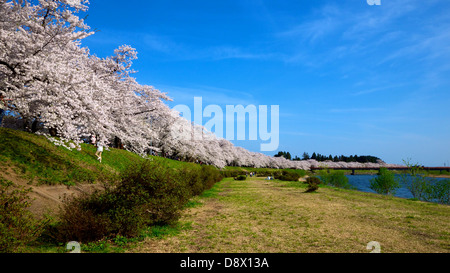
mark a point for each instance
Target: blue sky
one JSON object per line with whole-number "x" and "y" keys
{"x": 349, "y": 78}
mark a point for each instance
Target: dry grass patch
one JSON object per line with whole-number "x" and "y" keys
{"x": 257, "y": 216}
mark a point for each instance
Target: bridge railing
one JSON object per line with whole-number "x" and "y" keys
{"x": 398, "y": 168}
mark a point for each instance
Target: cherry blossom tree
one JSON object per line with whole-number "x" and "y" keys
{"x": 56, "y": 83}
{"x": 36, "y": 43}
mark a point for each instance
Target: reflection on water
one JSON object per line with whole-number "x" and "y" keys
{"x": 362, "y": 183}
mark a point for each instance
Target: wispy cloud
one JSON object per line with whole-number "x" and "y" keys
{"x": 378, "y": 89}
{"x": 161, "y": 44}
{"x": 326, "y": 22}
{"x": 356, "y": 110}
{"x": 184, "y": 51}
{"x": 341, "y": 31}
{"x": 364, "y": 25}
{"x": 425, "y": 47}
{"x": 230, "y": 52}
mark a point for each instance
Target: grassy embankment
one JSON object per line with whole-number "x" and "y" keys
{"x": 254, "y": 215}
{"x": 37, "y": 161}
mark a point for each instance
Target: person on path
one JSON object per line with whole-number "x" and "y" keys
{"x": 93, "y": 139}
{"x": 99, "y": 152}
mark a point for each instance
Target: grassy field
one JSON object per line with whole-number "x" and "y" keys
{"x": 260, "y": 216}
{"x": 255, "y": 215}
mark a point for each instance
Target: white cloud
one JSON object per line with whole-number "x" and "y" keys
{"x": 328, "y": 21}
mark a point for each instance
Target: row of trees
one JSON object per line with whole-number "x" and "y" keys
{"x": 56, "y": 86}
{"x": 321, "y": 158}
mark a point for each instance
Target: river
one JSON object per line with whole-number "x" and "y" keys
{"x": 362, "y": 183}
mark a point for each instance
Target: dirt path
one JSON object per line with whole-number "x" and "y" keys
{"x": 257, "y": 216}
{"x": 45, "y": 199}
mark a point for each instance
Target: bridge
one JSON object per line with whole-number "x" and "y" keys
{"x": 397, "y": 168}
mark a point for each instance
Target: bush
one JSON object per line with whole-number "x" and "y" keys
{"x": 241, "y": 177}
{"x": 265, "y": 172}
{"x": 17, "y": 225}
{"x": 441, "y": 192}
{"x": 385, "y": 182}
{"x": 149, "y": 194}
{"x": 232, "y": 173}
{"x": 287, "y": 175}
{"x": 313, "y": 183}
{"x": 430, "y": 189}
{"x": 82, "y": 219}
{"x": 417, "y": 184}
{"x": 193, "y": 179}
{"x": 210, "y": 176}
{"x": 335, "y": 179}
{"x": 425, "y": 188}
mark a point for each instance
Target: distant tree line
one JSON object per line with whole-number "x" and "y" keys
{"x": 319, "y": 157}
{"x": 286, "y": 155}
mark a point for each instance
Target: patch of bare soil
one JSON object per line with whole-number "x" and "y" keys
{"x": 46, "y": 199}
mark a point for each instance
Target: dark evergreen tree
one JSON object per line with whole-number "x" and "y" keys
{"x": 288, "y": 156}
{"x": 306, "y": 156}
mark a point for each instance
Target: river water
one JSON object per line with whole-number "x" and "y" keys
{"x": 362, "y": 183}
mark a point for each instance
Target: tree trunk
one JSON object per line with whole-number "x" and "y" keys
{"x": 34, "y": 126}
{"x": 25, "y": 124}
{"x": 53, "y": 131}
{"x": 118, "y": 143}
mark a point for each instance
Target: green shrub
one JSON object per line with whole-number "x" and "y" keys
{"x": 17, "y": 225}
{"x": 149, "y": 194}
{"x": 431, "y": 189}
{"x": 287, "y": 175}
{"x": 385, "y": 182}
{"x": 82, "y": 219}
{"x": 157, "y": 189}
{"x": 417, "y": 184}
{"x": 425, "y": 188}
{"x": 440, "y": 192}
{"x": 334, "y": 178}
{"x": 266, "y": 172}
{"x": 232, "y": 173}
{"x": 240, "y": 177}
{"x": 313, "y": 183}
{"x": 210, "y": 176}
{"x": 193, "y": 179}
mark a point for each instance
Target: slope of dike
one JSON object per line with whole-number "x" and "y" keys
{"x": 53, "y": 171}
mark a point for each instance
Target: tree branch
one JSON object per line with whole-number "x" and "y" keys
{"x": 10, "y": 67}
{"x": 142, "y": 112}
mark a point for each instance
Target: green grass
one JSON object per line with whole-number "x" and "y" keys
{"x": 261, "y": 172}
{"x": 121, "y": 244}
{"x": 432, "y": 172}
{"x": 255, "y": 215}
{"x": 262, "y": 216}
{"x": 37, "y": 160}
